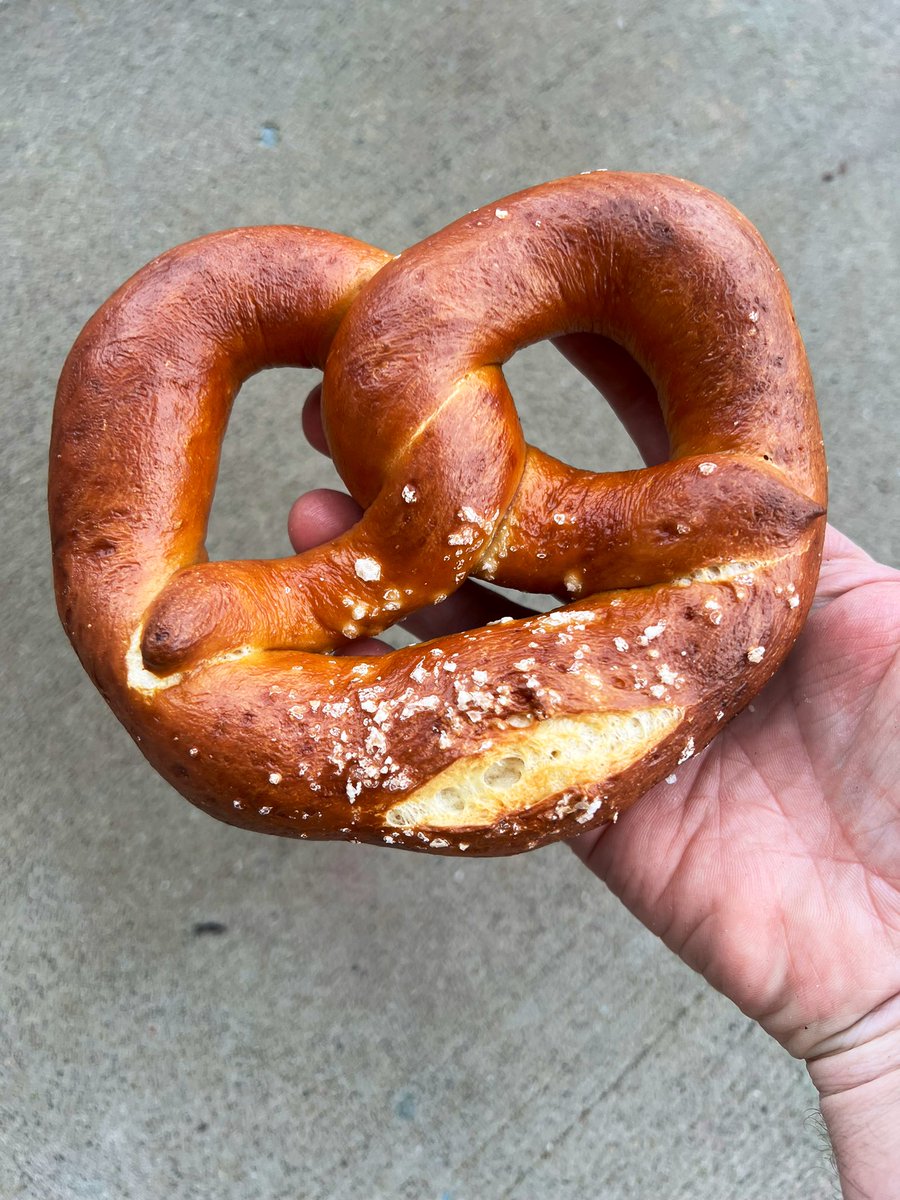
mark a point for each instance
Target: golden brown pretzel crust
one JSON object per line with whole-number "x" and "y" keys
{"x": 691, "y": 580}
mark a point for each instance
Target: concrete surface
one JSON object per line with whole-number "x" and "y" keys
{"x": 364, "y": 1023}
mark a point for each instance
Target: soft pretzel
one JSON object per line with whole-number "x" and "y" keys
{"x": 689, "y": 580}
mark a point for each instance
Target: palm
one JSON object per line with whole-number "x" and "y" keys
{"x": 772, "y": 865}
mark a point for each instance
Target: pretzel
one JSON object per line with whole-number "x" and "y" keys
{"x": 688, "y": 582}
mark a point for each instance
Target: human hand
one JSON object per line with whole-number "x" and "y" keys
{"x": 772, "y": 864}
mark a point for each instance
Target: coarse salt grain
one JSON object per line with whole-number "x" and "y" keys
{"x": 368, "y": 569}
{"x": 687, "y": 752}
{"x": 653, "y": 631}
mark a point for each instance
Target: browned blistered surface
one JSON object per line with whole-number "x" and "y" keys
{"x": 689, "y": 581}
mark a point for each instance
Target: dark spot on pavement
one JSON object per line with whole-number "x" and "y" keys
{"x": 202, "y": 928}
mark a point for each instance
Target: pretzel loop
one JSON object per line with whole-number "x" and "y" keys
{"x": 691, "y": 579}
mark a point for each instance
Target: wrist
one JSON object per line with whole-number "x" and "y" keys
{"x": 859, "y": 1055}
{"x": 857, "y": 1074}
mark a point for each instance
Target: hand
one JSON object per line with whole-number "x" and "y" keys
{"x": 772, "y": 864}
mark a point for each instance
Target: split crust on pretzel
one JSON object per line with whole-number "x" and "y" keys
{"x": 690, "y": 581}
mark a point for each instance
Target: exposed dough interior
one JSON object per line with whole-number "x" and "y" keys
{"x": 525, "y": 766}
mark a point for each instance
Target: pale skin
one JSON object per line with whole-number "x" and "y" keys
{"x": 772, "y": 864}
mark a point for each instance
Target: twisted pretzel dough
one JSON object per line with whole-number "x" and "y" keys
{"x": 690, "y": 580}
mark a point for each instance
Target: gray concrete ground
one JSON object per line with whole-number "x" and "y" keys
{"x": 374, "y": 1024}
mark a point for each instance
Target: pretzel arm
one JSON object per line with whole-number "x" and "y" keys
{"x": 391, "y": 563}
{"x": 575, "y": 532}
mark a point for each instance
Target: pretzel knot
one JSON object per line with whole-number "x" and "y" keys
{"x": 689, "y": 581}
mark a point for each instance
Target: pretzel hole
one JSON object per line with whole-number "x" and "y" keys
{"x": 248, "y": 522}
{"x": 545, "y": 385}
{"x": 252, "y": 498}
{"x": 591, "y": 436}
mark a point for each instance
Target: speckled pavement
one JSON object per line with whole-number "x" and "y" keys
{"x": 187, "y": 1011}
